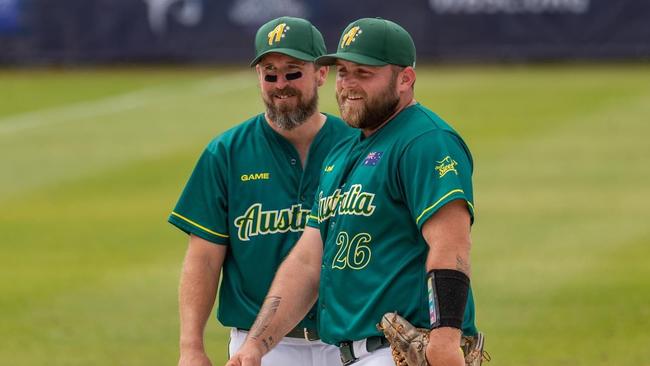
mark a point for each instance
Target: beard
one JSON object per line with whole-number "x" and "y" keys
{"x": 373, "y": 111}
{"x": 289, "y": 117}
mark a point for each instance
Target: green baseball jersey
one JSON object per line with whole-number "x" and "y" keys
{"x": 250, "y": 192}
{"x": 375, "y": 194}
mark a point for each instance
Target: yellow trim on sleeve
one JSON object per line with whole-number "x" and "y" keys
{"x": 438, "y": 202}
{"x": 314, "y": 217}
{"x": 199, "y": 226}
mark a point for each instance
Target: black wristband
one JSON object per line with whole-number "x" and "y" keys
{"x": 448, "y": 290}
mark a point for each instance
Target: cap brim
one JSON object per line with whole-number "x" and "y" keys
{"x": 285, "y": 51}
{"x": 330, "y": 59}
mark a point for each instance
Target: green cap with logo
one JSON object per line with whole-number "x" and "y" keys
{"x": 374, "y": 42}
{"x": 290, "y": 36}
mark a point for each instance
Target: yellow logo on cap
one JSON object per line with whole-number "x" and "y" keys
{"x": 350, "y": 36}
{"x": 278, "y": 33}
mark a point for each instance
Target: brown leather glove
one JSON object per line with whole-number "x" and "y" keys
{"x": 408, "y": 343}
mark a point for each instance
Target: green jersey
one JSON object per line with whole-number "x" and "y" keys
{"x": 375, "y": 194}
{"x": 250, "y": 192}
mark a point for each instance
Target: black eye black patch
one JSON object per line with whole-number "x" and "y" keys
{"x": 293, "y": 75}
{"x": 289, "y": 76}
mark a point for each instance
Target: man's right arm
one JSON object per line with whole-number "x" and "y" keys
{"x": 197, "y": 292}
{"x": 293, "y": 292}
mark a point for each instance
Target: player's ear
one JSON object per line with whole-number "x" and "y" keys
{"x": 258, "y": 70}
{"x": 406, "y": 78}
{"x": 321, "y": 74}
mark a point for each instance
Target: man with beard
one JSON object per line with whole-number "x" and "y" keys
{"x": 390, "y": 227}
{"x": 249, "y": 197}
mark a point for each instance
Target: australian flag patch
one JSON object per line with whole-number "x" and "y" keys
{"x": 373, "y": 158}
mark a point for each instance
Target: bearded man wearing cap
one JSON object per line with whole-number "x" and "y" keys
{"x": 249, "y": 197}
{"x": 389, "y": 230}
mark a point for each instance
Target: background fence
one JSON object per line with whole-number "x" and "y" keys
{"x": 202, "y": 31}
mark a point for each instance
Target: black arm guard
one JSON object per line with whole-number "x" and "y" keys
{"x": 448, "y": 291}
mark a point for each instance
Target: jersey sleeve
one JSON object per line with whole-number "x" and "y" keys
{"x": 436, "y": 168}
{"x": 202, "y": 209}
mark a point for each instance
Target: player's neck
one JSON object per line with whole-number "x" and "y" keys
{"x": 302, "y": 136}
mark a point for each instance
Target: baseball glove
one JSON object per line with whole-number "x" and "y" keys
{"x": 473, "y": 351}
{"x": 407, "y": 343}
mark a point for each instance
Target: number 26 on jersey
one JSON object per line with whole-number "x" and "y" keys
{"x": 352, "y": 253}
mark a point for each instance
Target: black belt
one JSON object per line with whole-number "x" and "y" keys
{"x": 372, "y": 344}
{"x": 304, "y": 333}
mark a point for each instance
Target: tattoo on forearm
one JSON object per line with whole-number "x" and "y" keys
{"x": 268, "y": 343}
{"x": 462, "y": 266}
{"x": 267, "y": 312}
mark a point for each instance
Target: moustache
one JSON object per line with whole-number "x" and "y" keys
{"x": 286, "y": 92}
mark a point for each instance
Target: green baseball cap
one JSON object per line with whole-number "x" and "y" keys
{"x": 293, "y": 37}
{"x": 374, "y": 42}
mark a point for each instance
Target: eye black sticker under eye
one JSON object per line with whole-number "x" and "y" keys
{"x": 293, "y": 75}
{"x": 270, "y": 78}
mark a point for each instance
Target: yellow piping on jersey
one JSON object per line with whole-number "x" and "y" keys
{"x": 440, "y": 200}
{"x": 471, "y": 206}
{"x": 199, "y": 226}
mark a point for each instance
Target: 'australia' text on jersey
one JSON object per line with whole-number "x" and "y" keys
{"x": 352, "y": 202}
{"x": 256, "y": 221}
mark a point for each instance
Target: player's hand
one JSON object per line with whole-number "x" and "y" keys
{"x": 443, "y": 347}
{"x": 248, "y": 355}
{"x": 194, "y": 358}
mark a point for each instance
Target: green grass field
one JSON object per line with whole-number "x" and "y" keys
{"x": 92, "y": 161}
